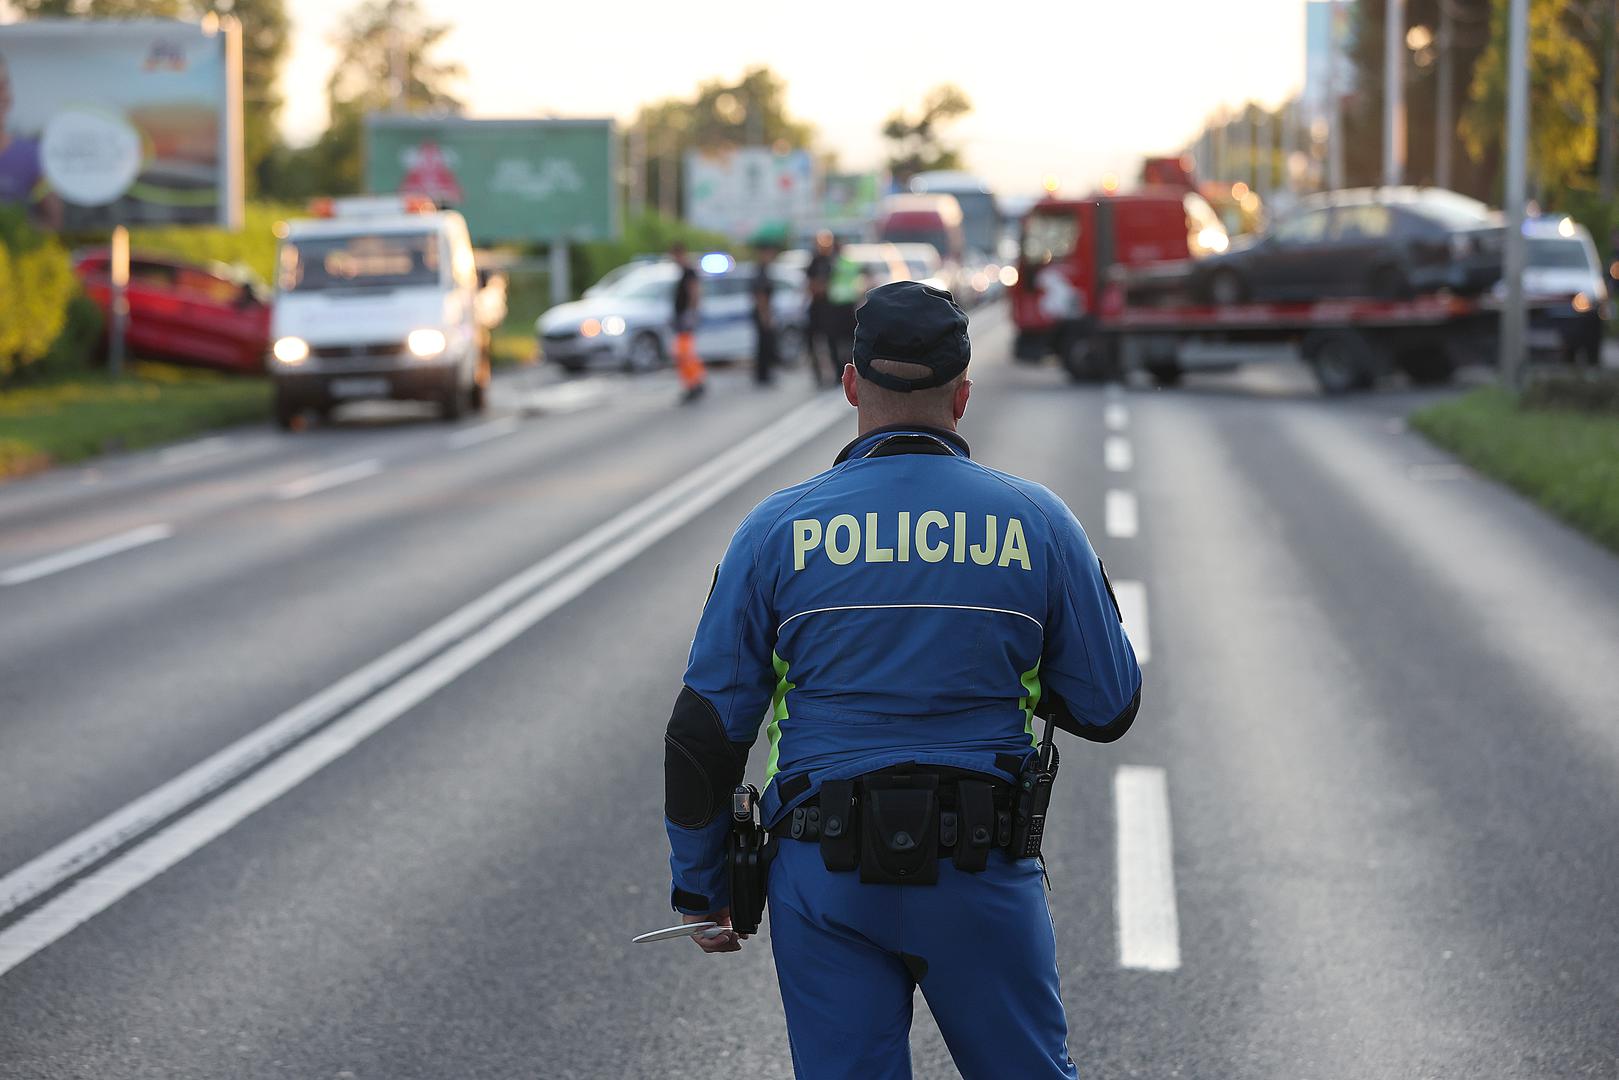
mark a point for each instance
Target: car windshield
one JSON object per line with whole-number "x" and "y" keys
{"x": 938, "y": 239}
{"x": 378, "y": 261}
{"x": 643, "y": 287}
{"x": 1557, "y": 253}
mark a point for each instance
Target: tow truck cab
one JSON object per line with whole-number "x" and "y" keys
{"x": 377, "y": 298}
{"x": 1068, "y": 246}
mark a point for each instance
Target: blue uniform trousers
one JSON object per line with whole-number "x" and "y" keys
{"x": 849, "y": 957}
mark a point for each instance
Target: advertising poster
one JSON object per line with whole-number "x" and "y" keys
{"x": 740, "y": 191}
{"x": 108, "y": 123}
{"x": 513, "y": 180}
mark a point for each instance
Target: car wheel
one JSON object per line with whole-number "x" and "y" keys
{"x": 453, "y": 405}
{"x": 1165, "y": 371}
{"x": 1342, "y": 361}
{"x": 646, "y": 353}
{"x": 478, "y": 397}
{"x": 1226, "y": 288}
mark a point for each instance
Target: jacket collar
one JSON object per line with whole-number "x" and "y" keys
{"x": 904, "y": 439}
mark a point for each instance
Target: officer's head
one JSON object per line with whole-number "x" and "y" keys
{"x": 910, "y": 358}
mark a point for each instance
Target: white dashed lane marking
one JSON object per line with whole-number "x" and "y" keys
{"x": 1149, "y": 925}
{"x": 85, "y": 553}
{"x": 1121, "y": 513}
{"x": 1116, "y": 453}
{"x": 1116, "y": 416}
{"x": 325, "y": 481}
{"x": 1132, "y": 598}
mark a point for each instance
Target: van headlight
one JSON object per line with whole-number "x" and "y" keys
{"x": 613, "y": 326}
{"x": 425, "y": 344}
{"x": 290, "y": 351}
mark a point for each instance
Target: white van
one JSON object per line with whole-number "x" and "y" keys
{"x": 377, "y": 298}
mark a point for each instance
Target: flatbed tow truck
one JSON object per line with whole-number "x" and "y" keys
{"x": 1347, "y": 343}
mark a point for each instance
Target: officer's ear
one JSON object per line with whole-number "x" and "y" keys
{"x": 959, "y": 403}
{"x": 851, "y": 385}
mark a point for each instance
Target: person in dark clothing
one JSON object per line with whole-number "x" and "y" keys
{"x": 824, "y": 341}
{"x": 688, "y": 294}
{"x": 764, "y": 318}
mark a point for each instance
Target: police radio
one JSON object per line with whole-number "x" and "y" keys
{"x": 1033, "y": 799}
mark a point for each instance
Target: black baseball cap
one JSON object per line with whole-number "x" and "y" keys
{"x": 912, "y": 323}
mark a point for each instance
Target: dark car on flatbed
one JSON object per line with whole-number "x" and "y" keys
{"x": 1382, "y": 243}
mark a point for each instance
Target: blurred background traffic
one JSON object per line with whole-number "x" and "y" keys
{"x": 220, "y": 155}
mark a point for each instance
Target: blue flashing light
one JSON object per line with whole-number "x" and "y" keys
{"x": 716, "y": 262}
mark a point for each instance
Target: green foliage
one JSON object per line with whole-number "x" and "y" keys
{"x": 749, "y": 112}
{"x": 71, "y": 419}
{"x": 253, "y": 247}
{"x": 644, "y": 234}
{"x": 1563, "y": 78}
{"x": 78, "y": 347}
{"x": 917, "y": 142}
{"x": 1567, "y": 461}
{"x": 1585, "y": 391}
{"x": 36, "y": 284}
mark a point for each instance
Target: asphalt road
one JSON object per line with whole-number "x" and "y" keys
{"x": 1381, "y": 701}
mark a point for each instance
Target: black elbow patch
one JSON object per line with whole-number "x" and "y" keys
{"x": 701, "y": 767}
{"x": 1108, "y": 732}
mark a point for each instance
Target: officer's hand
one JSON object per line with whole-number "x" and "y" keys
{"x": 730, "y": 941}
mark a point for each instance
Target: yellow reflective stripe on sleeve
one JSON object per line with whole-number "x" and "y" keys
{"x": 778, "y": 713}
{"x": 1030, "y": 700}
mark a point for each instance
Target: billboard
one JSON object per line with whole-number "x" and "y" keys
{"x": 122, "y": 123}
{"x": 513, "y": 180}
{"x": 740, "y": 191}
{"x": 850, "y": 199}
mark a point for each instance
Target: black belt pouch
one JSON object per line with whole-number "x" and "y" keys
{"x": 899, "y": 830}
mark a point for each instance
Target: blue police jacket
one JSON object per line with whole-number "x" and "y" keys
{"x": 906, "y": 605}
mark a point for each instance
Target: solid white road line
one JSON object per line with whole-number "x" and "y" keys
{"x": 437, "y": 655}
{"x": 1116, "y": 416}
{"x": 1116, "y": 453}
{"x": 1149, "y": 927}
{"x": 1121, "y": 513}
{"x": 483, "y": 433}
{"x": 1132, "y": 598}
{"x": 196, "y": 450}
{"x": 325, "y": 481}
{"x": 78, "y": 556}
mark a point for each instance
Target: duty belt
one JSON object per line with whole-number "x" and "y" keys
{"x": 894, "y": 825}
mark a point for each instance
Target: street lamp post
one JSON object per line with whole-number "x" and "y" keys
{"x": 1444, "y": 128}
{"x": 1512, "y": 314}
{"x": 1394, "y": 93}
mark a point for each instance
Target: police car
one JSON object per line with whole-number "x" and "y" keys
{"x": 625, "y": 323}
{"x": 378, "y": 298}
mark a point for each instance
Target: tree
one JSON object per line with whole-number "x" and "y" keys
{"x": 749, "y": 112}
{"x": 1563, "y": 78}
{"x": 384, "y": 63}
{"x": 917, "y": 145}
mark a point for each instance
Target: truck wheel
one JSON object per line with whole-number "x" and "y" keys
{"x": 286, "y": 410}
{"x": 1164, "y": 371}
{"x": 1226, "y": 288}
{"x": 1342, "y": 360}
{"x": 1426, "y": 367}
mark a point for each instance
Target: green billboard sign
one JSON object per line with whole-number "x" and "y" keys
{"x": 513, "y": 180}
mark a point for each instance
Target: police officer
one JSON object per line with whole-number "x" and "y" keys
{"x": 902, "y": 619}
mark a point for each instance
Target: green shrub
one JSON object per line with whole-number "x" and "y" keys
{"x": 78, "y": 347}
{"x": 644, "y": 234}
{"x": 36, "y": 284}
{"x": 1595, "y": 391}
{"x": 253, "y": 247}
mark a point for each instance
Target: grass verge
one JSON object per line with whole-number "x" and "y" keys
{"x": 72, "y": 419}
{"x": 1565, "y": 460}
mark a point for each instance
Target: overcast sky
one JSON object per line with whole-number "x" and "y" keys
{"x": 1075, "y": 88}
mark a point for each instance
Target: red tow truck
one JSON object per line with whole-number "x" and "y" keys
{"x": 1100, "y": 286}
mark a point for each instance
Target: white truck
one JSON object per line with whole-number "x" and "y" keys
{"x": 378, "y": 298}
